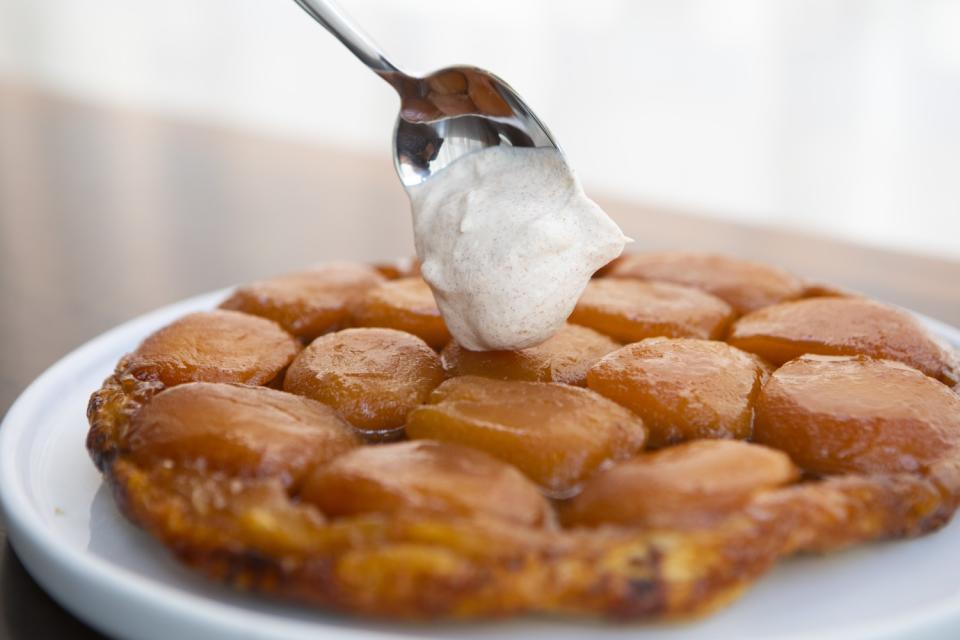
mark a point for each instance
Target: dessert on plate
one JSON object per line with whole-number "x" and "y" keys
{"x": 322, "y": 438}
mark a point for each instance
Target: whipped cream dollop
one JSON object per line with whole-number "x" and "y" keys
{"x": 508, "y": 240}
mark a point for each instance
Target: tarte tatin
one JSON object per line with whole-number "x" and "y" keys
{"x": 320, "y": 438}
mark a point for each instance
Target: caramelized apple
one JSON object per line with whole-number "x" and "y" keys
{"x": 839, "y": 414}
{"x": 565, "y": 358}
{"x": 684, "y": 389}
{"x": 843, "y": 326}
{"x": 630, "y": 310}
{"x": 556, "y": 434}
{"x": 307, "y": 303}
{"x": 240, "y": 430}
{"x": 271, "y": 492}
{"x": 213, "y": 346}
{"x": 448, "y": 82}
{"x": 744, "y": 285}
{"x": 406, "y": 304}
{"x": 817, "y": 289}
{"x": 400, "y": 268}
{"x": 373, "y": 377}
{"x": 486, "y": 97}
{"x": 689, "y": 486}
{"x": 425, "y": 477}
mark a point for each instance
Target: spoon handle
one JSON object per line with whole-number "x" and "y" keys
{"x": 336, "y": 22}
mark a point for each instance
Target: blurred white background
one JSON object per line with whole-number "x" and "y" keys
{"x": 837, "y": 116}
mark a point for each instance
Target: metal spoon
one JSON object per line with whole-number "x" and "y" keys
{"x": 444, "y": 115}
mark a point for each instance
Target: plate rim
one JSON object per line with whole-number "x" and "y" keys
{"x": 44, "y": 556}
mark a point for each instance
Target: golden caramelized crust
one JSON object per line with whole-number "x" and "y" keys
{"x": 841, "y": 511}
{"x": 556, "y": 434}
{"x": 208, "y": 516}
{"x": 239, "y": 430}
{"x": 564, "y": 358}
{"x": 109, "y": 410}
{"x": 273, "y": 492}
{"x": 307, "y": 303}
{"x": 245, "y": 532}
{"x": 843, "y": 326}
{"x": 373, "y": 377}
{"x": 405, "y": 304}
{"x": 631, "y": 310}
{"x": 857, "y": 414}
{"x": 213, "y": 346}
{"x": 683, "y": 388}
{"x": 689, "y": 486}
{"x": 744, "y": 285}
{"x": 428, "y": 478}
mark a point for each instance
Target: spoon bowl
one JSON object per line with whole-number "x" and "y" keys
{"x": 445, "y": 115}
{"x": 455, "y": 111}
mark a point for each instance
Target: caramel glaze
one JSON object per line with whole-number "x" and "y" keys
{"x": 275, "y": 491}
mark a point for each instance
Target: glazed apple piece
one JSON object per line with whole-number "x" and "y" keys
{"x": 400, "y": 268}
{"x": 564, "y": 358}
{"x": 486, "y": 97}
{"x": 744, "y": 285}
{"x": 684, "y": 389}
{"x": 842, "y": 414}
{"x": 631, "y": 310}
{"x": 689, "y": 486}
{"x": 405, "y": 304}
{"x": 556, "y": 434}
{"x": 843, "y": 326}
{"x": 307, "y": 303}
{"x": 213, "y": 346}
{"x": 373, "y": 377}
{"x": 448, "y": 82}
{"x": 425, "y": 477}
{"x": 240, "y": 430}
{"x": 817, "y": 289}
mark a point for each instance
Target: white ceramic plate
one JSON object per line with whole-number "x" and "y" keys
{"x": 65, "y": 528}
